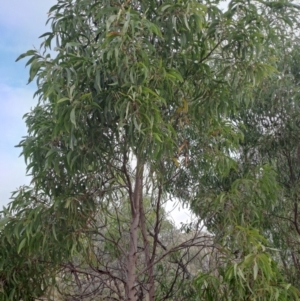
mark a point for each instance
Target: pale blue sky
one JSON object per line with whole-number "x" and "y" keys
{"x": 21, "y": 23}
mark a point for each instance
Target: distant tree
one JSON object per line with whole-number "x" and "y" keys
{"x": 138, "y": 105}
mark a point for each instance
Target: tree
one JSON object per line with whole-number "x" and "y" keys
{"x": 118, "y": 122}
{"x": 101, "y": 274}
{"x": 272, "y": 131}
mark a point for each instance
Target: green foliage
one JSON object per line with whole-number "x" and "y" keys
{"x": 38, "y": 236}
{"x": 272, "y": 137}
{"x": 253, "y": 276}
{"x": 177, "y": 87}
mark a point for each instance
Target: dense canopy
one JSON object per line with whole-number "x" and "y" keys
{"x": 146, "y": 102}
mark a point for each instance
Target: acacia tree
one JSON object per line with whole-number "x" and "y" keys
{"x": 136, "y": 99}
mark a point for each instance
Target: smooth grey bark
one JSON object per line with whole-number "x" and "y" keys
{"x": 135, "y": 202}
{"x": 148, "y": 259}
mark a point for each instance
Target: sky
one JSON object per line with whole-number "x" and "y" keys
{"x": 21, "y": 23}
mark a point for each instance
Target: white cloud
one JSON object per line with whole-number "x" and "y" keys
{"x": 178, "y": 213}
{"x": 15, "y": 102}
{"x": 12, "y": 176}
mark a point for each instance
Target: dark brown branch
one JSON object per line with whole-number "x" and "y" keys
{"x": 211, "y": 51}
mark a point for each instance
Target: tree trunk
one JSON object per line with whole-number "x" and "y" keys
{"x": 149, "y": 265}
{"x": 135, "y": 202}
